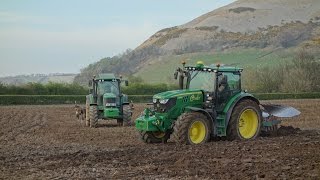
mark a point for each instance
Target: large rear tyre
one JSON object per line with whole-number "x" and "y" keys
{"x": 87, "y": 122}
{"x": 126, "y": 116}
{"x": 245, "y": 122}
{"x": 155, "y": 137}
{"x": 93, "y": 116}
{"x": 192, "y": 128}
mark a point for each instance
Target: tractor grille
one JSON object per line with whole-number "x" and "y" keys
{"x": 162, "y": 108}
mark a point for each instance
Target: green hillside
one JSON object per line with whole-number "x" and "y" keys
{"x": 161, "y": 69}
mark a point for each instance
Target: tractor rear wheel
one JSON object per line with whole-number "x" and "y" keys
{"x": 245, "y": 122}
{"x": 93, "y": 116}
{"x": 87, "y": 123}
{"x": 192, "y": 128}
{"x": 155, "y": 137}
{"x": 126, "y": 116}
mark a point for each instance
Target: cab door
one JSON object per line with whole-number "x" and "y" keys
{"x": 229, "y": 84}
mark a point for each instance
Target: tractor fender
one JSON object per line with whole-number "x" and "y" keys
{"x": 90, "y": 99}
{"x": 124, "y": 99}
{"x": 206, "y": 113}
{"x": 234, "y": 101}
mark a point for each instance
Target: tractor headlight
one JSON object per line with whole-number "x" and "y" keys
{"x": 163, "y": 101}
{"x": 111, "y": 104}
{"x": 154, "y": 100}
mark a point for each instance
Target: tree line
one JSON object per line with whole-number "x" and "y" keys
{"x": 299, "y": 75}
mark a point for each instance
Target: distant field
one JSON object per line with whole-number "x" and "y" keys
{"x": 162, "y": 69}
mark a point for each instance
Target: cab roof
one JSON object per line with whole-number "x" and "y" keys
{"x": 214, "y": 68}
{"x": 106, "y": 76}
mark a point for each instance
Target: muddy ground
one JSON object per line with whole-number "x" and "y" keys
{"x": 47, "y": 142}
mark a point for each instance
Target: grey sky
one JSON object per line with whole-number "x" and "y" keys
{"x": 39, "y": 36}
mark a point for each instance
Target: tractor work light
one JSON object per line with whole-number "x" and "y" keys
{"x": 154, "y": 100}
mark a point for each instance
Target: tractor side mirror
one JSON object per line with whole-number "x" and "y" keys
{"x": 90, "y": 83}
{"x": 175, "y": 75}
{"x": 90, "y": 91}
{"x": 126, "y": 83}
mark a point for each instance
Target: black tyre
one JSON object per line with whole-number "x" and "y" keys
{"x": 155, "y": 137}
{"x": 126, "y": 116}
{"x": 192, "y": 128}
{"x": 87, "y": 122}
{"x": 245, "y": 122}
{"x": 93, "y": 116}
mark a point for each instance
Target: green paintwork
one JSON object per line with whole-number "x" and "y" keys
{"x": 193, "y": 99}
{"x": 151, "y": 120}
{"x": 177, "y": 93}
{"x": 111, "y": 112}
{"x": 108, "y": 112}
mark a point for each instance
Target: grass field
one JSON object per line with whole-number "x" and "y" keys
{"x": 162, "y": 69}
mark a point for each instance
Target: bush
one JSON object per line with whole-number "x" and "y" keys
{"x": 43, "y": 89}
{"x": 40, "y": 99}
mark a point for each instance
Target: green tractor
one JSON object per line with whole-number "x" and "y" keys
{"x": 106, "y": 101}
{"x": 209, "y": 104}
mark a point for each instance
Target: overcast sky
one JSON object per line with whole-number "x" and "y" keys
{"x": 63, "y": 36}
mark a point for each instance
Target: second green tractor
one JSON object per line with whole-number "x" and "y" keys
{"x": 106, "y": 101}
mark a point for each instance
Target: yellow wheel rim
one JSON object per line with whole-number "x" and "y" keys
{"x": 197, "y": 132}
{"x": 248, "y": 123}
{"x": 159, "y": 134}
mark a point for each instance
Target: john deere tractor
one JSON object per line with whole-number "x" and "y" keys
{"x": 209, "y": 104}
{"x": 106, "y": 101}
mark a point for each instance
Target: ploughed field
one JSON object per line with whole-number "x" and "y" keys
{"x": 44, "y": 142}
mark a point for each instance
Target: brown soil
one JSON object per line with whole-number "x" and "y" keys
{"x": 44, "y": 142}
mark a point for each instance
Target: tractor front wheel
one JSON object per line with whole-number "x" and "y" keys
{"x": 192, "y": 128}
{"x": 93, "y": 116}
{"x": 126, "y": 116}
{"x": 155, "y": 137}
{"x": 245, "y": 121}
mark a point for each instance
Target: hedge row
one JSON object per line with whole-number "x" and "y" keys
{"x": 40, "y": 99}
{"x": 57, "y": 99}
{"x": 70, "y": 99}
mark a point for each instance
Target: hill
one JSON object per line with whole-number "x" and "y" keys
{"x": 238, "y": 33}
{"x": 38, "y": 78}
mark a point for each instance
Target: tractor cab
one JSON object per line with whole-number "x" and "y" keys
{"x": 106, "y": 89}
{"x": 218, "y": 83}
